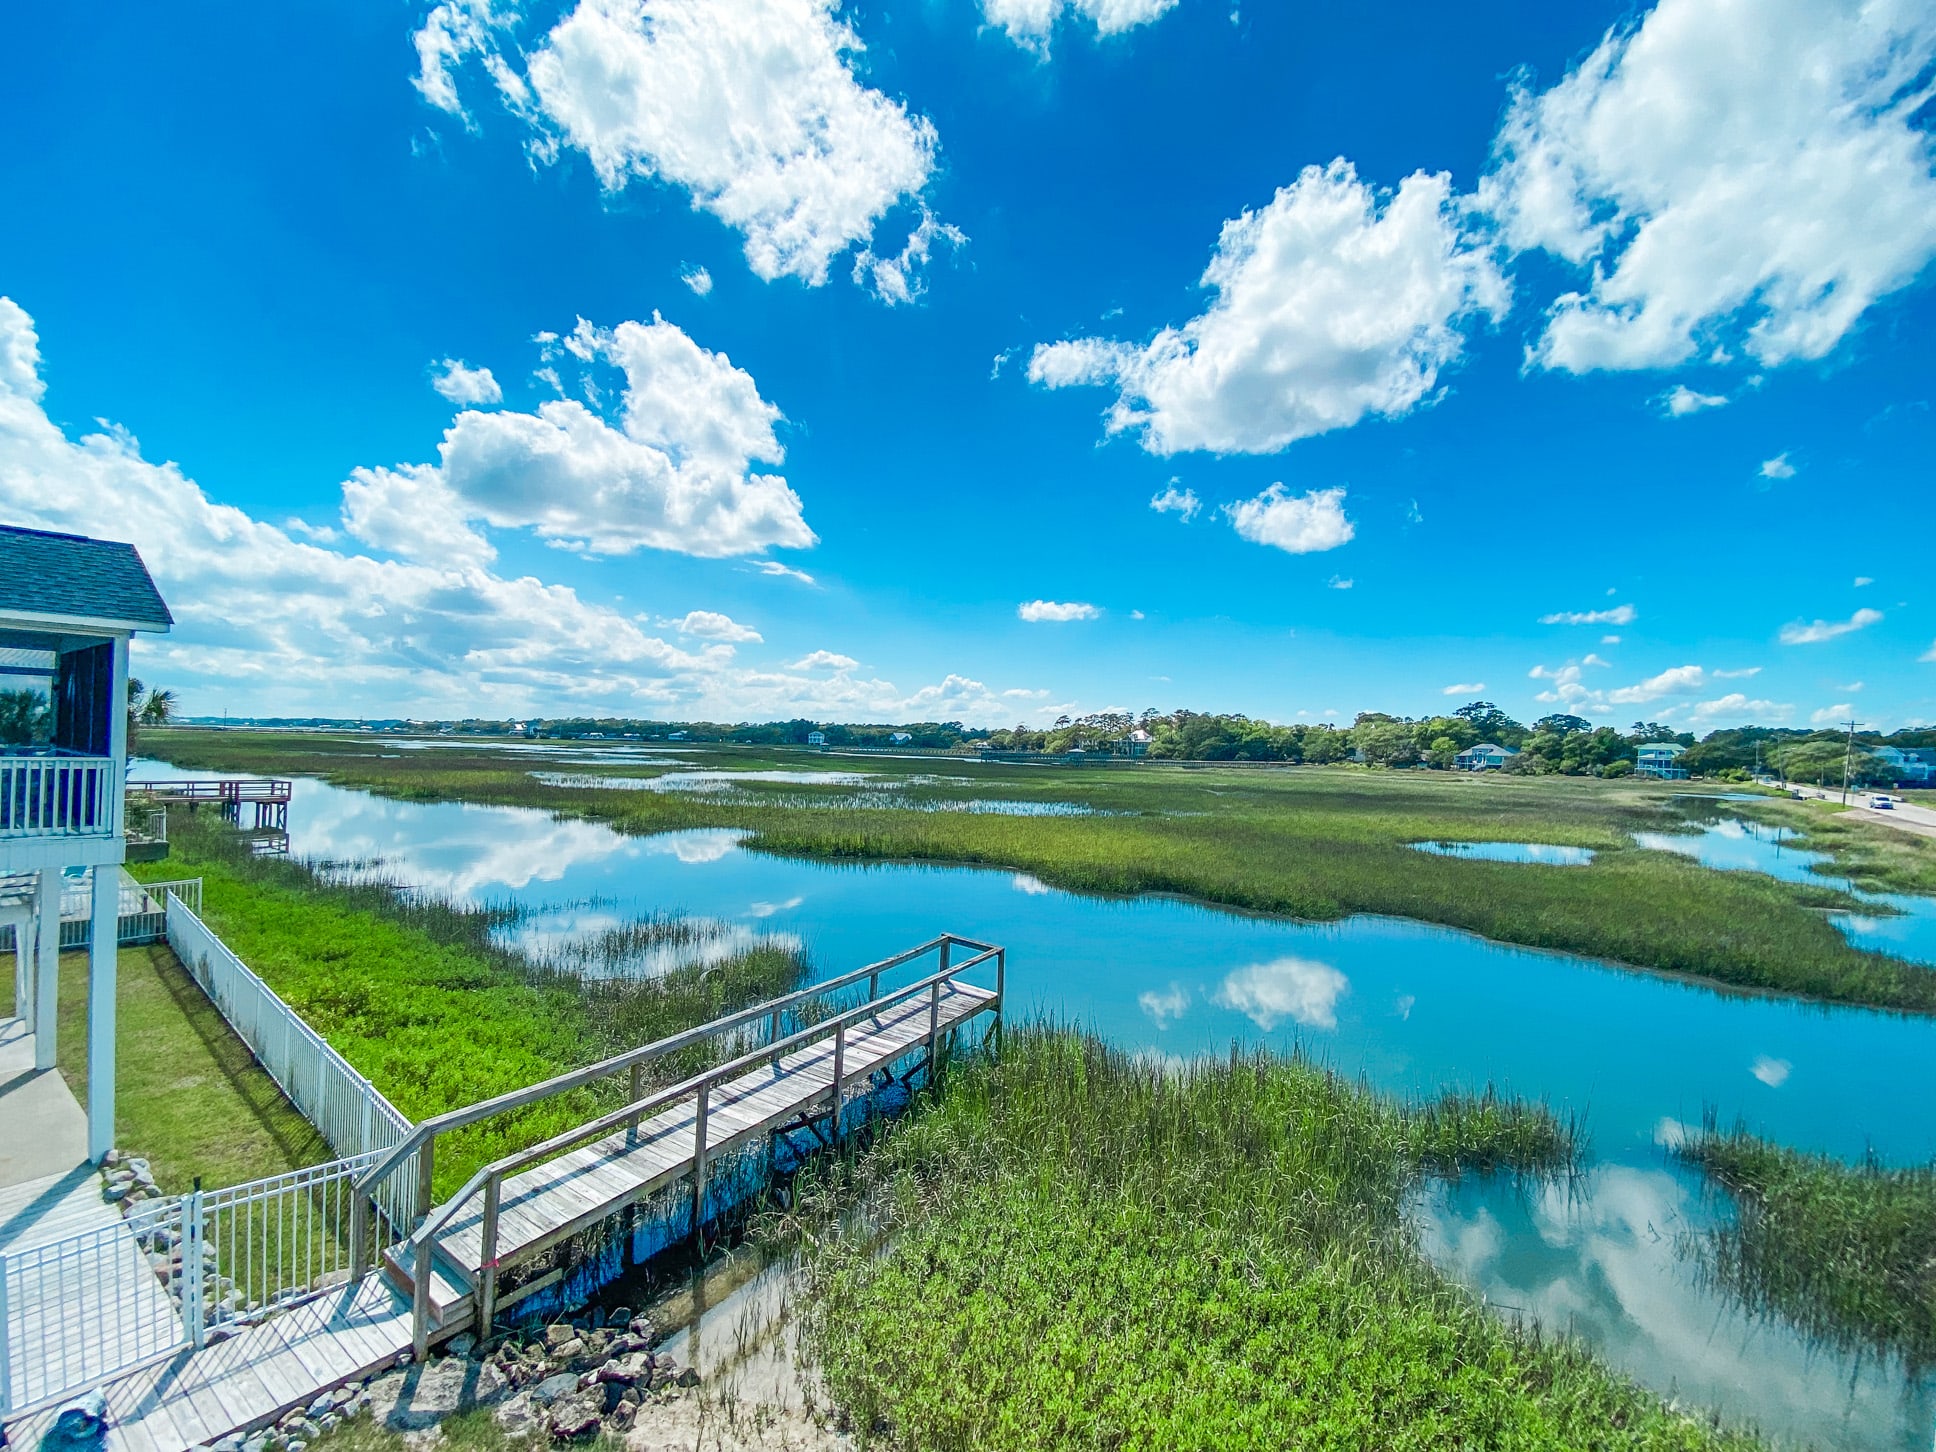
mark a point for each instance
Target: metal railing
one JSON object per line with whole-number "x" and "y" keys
{"x": 771, "y": 1014}
{"x": 345, "y": 1107}
{"x": 177, "y": 1273}
{"x": 268, "y": 1244}
{"x": 55, "y": 794}
{"x": 81, "y": 1310}
{"x": 143, "y": 911}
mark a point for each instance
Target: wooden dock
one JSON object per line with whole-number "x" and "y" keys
{"x": 800, "y": 1062}
{"x": 269, "y": 796}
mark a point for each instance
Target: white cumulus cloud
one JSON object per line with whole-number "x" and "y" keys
{"x": 1030, "y": 23}
{"x": 1816, "y": 631}
{"x": 711, "y": 625}
{"x": 461, "y": 383}
{"x": 752, "y": 108}
{"x": 1056, "y": 610}
{"x": 1680, "y": 401}
{"x": 1464, "y": 688}
{"x": 1333, "y": 303}
{"x": 1832, "y": 715}
{"x": 1727, "y": 177}
{"x": 1299, "y": 524}
{"x": 698, "y": 279}
{"x": 675, "y": 473}
{"x": 1777, "y": 468}
{"x": 827, "y": 660}
{"x": 1177, "y": 501}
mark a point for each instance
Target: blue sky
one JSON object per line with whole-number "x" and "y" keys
{"x": 1436, "y": 326}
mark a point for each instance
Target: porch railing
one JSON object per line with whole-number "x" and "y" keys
{"x": 52, "y": 794}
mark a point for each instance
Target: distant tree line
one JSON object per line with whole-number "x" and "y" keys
{"x": 1557, "y": 744}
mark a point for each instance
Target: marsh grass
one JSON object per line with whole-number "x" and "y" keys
{"x": 427, "y": 999}
{"x": 1844, "y": 1252}
{"x": 1315, "y": 843}
{"x": 1075, "y": 1247}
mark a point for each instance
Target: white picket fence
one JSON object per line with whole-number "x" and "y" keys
{"x": 346, "y": 1108}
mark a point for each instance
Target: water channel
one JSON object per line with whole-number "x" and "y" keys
{"x": 1411, "y": 1007}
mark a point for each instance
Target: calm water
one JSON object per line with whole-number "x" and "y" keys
{"x": 1413, "y": 1008}
{"x": 1905, "y": 929}
{"x": 1544, "y": 852}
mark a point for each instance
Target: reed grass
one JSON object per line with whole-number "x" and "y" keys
{"x": 1315, "y": 843}
{"x": 1844, "y": 1252}
{"x": 1077, "y": 1248}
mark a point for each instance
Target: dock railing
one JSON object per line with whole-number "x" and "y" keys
{"x": 767, "y": 1018}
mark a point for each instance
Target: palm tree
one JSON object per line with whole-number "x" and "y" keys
{"x": 158, "y": 709}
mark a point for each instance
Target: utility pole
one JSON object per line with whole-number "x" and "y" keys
{"x": 1848, "y": 759}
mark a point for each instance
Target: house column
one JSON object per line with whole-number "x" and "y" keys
{"x": 47, "y": 896}
{"x": 103, "y": 946}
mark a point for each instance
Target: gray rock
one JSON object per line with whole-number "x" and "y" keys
{"x": 461, "y": 1345}
{"x": 568, "y": 1350}
{"x": 627, "y": 1369}
{"x": 688, "y": 1377}
{"x": 230, "y": 1443}
{"x": 420, "y": 1397}
{"x": 559, "y": 1333}
{"x": 325, "y": 1404}
{"x": 618, "y": 1316}
{"x": 257, "y": 1442}
{"x": 641, "y": 1326}
{"x": 553, "y": 1388}
{"x": 519, "y": 1416}
{"x": 578, "y": 1415}
{"x": 622, "y": 1416}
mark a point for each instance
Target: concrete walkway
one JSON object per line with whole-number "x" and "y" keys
{"x": 46, "y": 1128}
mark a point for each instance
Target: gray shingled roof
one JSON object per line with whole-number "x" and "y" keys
{"x": 69, "y": 574}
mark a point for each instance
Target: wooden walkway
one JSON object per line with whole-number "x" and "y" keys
{"x": 580, "y": 1189}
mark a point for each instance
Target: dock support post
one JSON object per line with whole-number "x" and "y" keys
{"x": 840, "y": 1072}
{"x": 420, "y": 1272}
{"x": 636, "y": 1093}
{"x": 934, "y": 1029}
{"x": 1001, "y": 995}
{"x": 699, "y": 1165}
{"x": 487, "y": 1272}
{"x": 426, "y": 1174}
{"x": 103, "y": 961}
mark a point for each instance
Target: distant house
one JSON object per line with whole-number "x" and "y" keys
{"x": 1137, "y": 743}
{"x": 1907, "y": 764}
{"x": 675, "y": 736}
{"x": 1486, "y": 756}
{"x": 1660, "y": 759}
{"x": 901, "y": 738}
{"x": 816, "y": 738}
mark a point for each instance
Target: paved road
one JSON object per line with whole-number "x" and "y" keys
{"x": 1917, "y": 821}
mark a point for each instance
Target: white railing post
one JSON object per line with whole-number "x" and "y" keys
{"x": 6, "y": 1345}
{"x": 194, "y": 1289}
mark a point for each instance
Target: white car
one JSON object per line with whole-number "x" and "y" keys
{"x": 1883, "y": 804}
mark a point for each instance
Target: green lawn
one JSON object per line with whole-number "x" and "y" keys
{"x": 1076, "y": 1248}
{"x": 1313, "y": 843}
{"x": 188, "y": 1094}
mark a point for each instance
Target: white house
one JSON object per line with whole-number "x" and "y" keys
{"x": 901, "y": 738}
{"x": 1137, "y": 743}
{"x": 1486, "y": 756}
{"x": 1660, "y": 759}
{"x": 816, "y": 738}
{"x": 68, "y": 607}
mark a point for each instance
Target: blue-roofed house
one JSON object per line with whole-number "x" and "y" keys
{"x": 1661, "y": 760}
